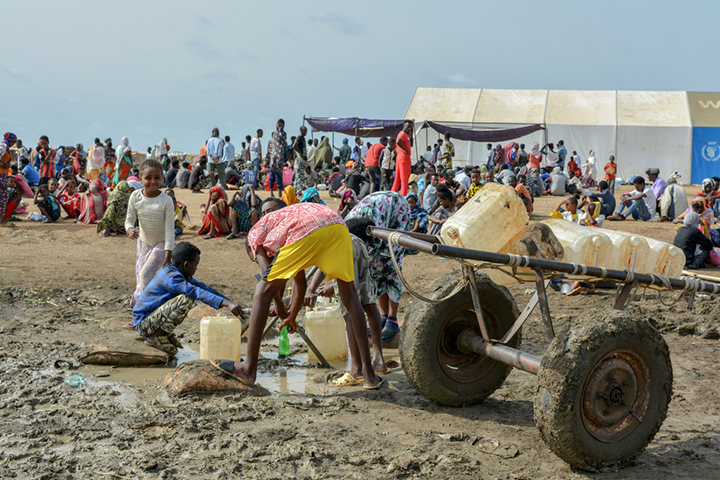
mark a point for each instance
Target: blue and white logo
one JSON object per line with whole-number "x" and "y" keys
{"x": 711, "y": 152}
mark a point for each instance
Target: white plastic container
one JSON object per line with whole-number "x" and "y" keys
{"x": 583, "y": 245}
{"x": 220, "y": 337}
{"x": 668, "y": 260}
{"x": 488, "y": 221}
{"x": 630, "y": 251}
{"x": 325, "y": 327}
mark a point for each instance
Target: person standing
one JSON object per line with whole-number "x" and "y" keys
{"x": 436, "y": 152}
{"x": 447, "y": 152}
{"x": 562, "y": 153}
{"x": 345, "y": 152}
{"x": 215, "y": 147}
{"x": 228, "y": 156}
{"x": 148, "y": 155}
{"x": 372, "y": 163}
{"x": 610, "y": 173}
{"x": 403, "y": 159}
{"x": 311, "y": 149}
{"x": 535, "y": 157}
{"x": 490, "y": 162}
{"x": 161, "y": 151}
{"x": 45, "y": 156}
{"x": 276, "y": 156}
{"x": 522, "y": 157}
{"x": 255, "y": 152}
{"x": 387, "y": 164}
{"x": 301, "y": 161}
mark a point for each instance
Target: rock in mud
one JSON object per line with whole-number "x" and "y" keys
{"x": 127, "y": 351}
{"x": 199, "y": 376}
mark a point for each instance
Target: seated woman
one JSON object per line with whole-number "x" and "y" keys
{"x": 700, "y": 207}
{"x": 113, "y": 221}
{"x": 181, "y": 213}
{"x": 93, "y": 203}
{"x": 692, "y": 242}
{"x": 347, "y": 202}
{"x": 289, "y": 196}
{"x": 216, "y": 219}
{"x": 14, "y": 198}
{"x": 244, "y": 211}
{"x": 311, "y": 195}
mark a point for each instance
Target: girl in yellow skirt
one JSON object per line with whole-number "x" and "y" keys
{"x": 286, "y": 241}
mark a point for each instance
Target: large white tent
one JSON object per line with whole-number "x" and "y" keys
{"x": 642, "y": 129}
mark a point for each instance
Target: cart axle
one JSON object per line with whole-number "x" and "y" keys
{"x": 471, "y": 342}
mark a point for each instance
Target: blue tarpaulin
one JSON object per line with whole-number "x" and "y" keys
{"x": 705, "y": 153}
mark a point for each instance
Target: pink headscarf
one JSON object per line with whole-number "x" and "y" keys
{"x": 535, "y": 152}
{"x": 507, "y": 150}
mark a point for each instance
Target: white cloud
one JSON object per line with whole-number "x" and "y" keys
{"x": 460, "y": 79}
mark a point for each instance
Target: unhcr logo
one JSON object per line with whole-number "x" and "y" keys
{"x": 711, "y": 152}
{"x": 708, "y": 103}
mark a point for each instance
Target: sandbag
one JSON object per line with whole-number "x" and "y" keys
{"x": 125, "y": 352}
{"x": 199, "y": 376}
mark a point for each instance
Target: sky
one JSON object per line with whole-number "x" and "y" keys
{"x": 75, "y": 70}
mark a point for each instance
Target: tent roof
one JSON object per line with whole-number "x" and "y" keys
{"x": 443, "y": 104}
{"x": 578, "y": 107}
{"x": 565, "y": 107}
{"x": 653, "y": 109}
{"x": 511, "y": 106}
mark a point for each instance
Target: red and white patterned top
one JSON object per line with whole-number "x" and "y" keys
{"x": 290, "y": 224}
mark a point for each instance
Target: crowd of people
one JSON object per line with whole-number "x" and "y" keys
{"x": 376, "y": 184}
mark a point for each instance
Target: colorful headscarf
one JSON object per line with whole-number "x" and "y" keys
{"x": 309, "y": 196}
{"x": 289, "y": 196}
{"x": 535, "y": 152}
{"x": 347, "y": 195}
{"x": 9, "y": 137}
{"x": 123, "y": 148}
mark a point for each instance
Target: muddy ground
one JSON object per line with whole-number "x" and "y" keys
{"x": 63, "y": 287}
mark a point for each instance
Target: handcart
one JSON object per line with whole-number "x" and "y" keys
{"x": 604, "y": 384}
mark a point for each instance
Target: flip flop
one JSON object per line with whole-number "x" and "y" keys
{"x": 231, "y": 236}
{"x": 377, "y": 385}
{"x": 346, "y": 380}
{"x": 226, "y": 366}
{"x": 173, "y": 339}
{"x": 7, "y": 225}
{"x": 576, "y": 291}
{"x": 163, "y": 344}
{"x": 209, "y": 236}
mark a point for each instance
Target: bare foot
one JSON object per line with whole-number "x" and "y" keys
{"x": 238, "y": 371}
{"x": 373, "y": 382}
{"x": 379, "y": 364}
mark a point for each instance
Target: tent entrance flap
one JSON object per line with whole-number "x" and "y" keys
{"x": 359, "y": 127}
{"x": 475, "y": 135}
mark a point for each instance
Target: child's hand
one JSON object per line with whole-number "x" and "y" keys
{"x": 290, "y": 323}
{"x": 327, "y": 290}
{"x": 234, "y": 308}
{"x": 133, "y": 233}
{"x": 310, "y": 299}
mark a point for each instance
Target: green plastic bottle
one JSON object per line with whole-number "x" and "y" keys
{"x": 284, "y": 342}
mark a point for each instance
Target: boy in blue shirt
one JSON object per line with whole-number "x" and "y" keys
{"x": 166, "y": 301}
{"x": 29, "y": 172}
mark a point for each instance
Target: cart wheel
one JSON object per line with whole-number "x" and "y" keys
{"x": 603, "y": 390}
{"x": 432, "y": 361}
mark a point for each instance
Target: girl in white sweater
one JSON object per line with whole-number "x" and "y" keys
{"x": 155, "y": 236}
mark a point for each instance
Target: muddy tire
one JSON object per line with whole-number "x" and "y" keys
{"x": 428, "y": 342}
{"x": 603, "y": 390}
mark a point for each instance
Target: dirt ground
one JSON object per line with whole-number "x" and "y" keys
{"x": 64, "y": 286}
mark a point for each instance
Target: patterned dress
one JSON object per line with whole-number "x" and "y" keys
{"x": 387, "y": 210}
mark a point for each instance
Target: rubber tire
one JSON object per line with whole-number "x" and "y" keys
{"x": 567, "y": 365}
{"x": 420, "y": 336}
